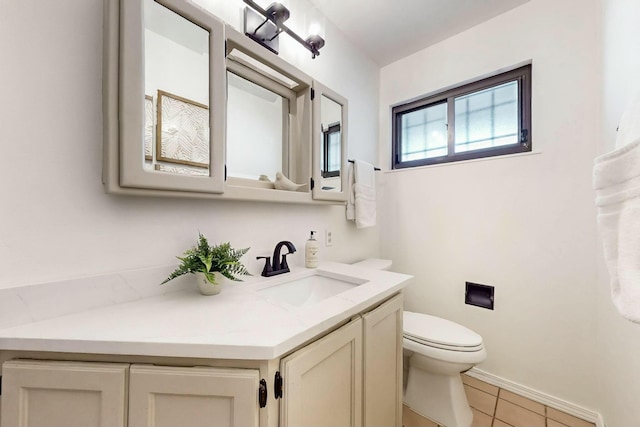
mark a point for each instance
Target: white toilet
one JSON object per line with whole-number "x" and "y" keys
{"x": 436, "y": 352}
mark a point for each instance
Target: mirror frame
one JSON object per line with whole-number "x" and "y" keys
{"x": 320, "y": 90}
{"x": 124, "y": 171}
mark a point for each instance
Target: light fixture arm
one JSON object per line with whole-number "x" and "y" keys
{"x": 277, "y": 14}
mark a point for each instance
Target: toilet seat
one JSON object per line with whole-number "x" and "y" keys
{"x": 436, "y": 332}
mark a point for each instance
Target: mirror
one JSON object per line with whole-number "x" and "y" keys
{"x": 259, "y": 150}
{"x": 330, "y": 154}
{"x": 166, "y": 68}
{"x": 164, "y": 97}
{"x": 329, "y": 146}
{"x": 176, "y": 79}
{"x": 268, "y": 117}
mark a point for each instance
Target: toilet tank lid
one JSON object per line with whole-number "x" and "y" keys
{"x": 439, "y": 331}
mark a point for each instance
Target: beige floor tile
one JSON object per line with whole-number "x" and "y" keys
{"x": 412, "y": 419}
{"x": 480, "y": 385}
{"x": 517, "y": 415}
{"x": 522, "y": 401}
{"x": 498, "y": 423}
{"x": 480, "y": 400}
{"x": 480, "y": 419}
{"x": 567, "y": 419}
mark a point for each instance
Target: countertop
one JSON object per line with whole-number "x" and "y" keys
{"x": 239, "y": 323}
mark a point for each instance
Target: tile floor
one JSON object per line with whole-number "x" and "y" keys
{"x": 496, "y": 407}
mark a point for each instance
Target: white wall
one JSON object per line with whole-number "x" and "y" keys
{"x": 56, "y": 222}
{"x": 618, "y": 339}
{"x": 524, "y": 224}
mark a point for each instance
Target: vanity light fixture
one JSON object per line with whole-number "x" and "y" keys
{"x": 265, "y": 25}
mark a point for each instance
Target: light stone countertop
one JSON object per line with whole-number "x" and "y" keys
{"x": 239, "y": 323}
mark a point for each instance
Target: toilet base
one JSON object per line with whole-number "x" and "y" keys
{"x": 440, "y": 398}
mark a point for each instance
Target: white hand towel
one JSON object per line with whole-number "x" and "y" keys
{"x": 351, "y": 198}
{"x": 616, "y": 179}
{"x": 361, "y": 204}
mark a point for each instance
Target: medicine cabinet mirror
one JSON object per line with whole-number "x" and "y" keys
{"x": 194, "y": 108}
{"x": 258, "y": 150}
{"x": 164, "y": 98}
{"x": 330, "y": 112}
{"x": 268, "y": 116}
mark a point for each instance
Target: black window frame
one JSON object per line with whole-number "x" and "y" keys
{"x": 520, "y": 74}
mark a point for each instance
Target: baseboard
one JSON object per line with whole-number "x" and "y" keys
{"x": 545, "y": 399}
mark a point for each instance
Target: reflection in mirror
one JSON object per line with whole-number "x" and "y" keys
{"x": 331, "y": 151}
{"x": 330, "y": 155}
{"x": 257, "y": 125}
{"x": 330, "y": 112}
{"x": 176, "y": 64}
{"x": 148, "y": 130}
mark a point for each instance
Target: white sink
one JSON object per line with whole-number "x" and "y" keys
{"x": 310, "y": 290}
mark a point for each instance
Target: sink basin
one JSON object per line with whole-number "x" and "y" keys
{"x": 310, "y": 290}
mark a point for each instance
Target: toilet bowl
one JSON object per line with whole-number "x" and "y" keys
{"x": 437, "y": 351}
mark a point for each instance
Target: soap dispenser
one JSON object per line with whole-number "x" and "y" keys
{"x": 311, "y": 249}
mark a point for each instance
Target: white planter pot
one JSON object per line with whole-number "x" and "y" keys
{"x": 208, "y": 288}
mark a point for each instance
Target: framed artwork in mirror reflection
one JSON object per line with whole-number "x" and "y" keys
{"x": 183, "y": 131}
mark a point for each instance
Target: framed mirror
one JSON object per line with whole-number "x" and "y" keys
{"x": 261, "y": 150}
{"x": 330, "y": 112}
{"x": 268, "y": 117}
{"x": 164, "y": 98}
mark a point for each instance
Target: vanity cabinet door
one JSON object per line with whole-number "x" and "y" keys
{"x": 162, "y": 396}
{"x": 383, "y": 364}
{"x": 70, "y": 394}
{"x": 323, "y": 381}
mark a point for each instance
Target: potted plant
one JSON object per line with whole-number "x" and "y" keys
{"x": 211, "y": 264}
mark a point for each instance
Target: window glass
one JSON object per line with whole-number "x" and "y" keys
{"x": 424, "y": 133}
{"x": 488, "y": 118}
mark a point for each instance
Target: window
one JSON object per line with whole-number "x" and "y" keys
{"x": 488, "y": 117}
{"x": 330, "y": 156}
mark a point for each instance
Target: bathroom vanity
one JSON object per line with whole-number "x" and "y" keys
{"x": 317, "y": 347}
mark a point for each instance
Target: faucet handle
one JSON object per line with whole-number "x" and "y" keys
{"x": 267, "y": 265}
